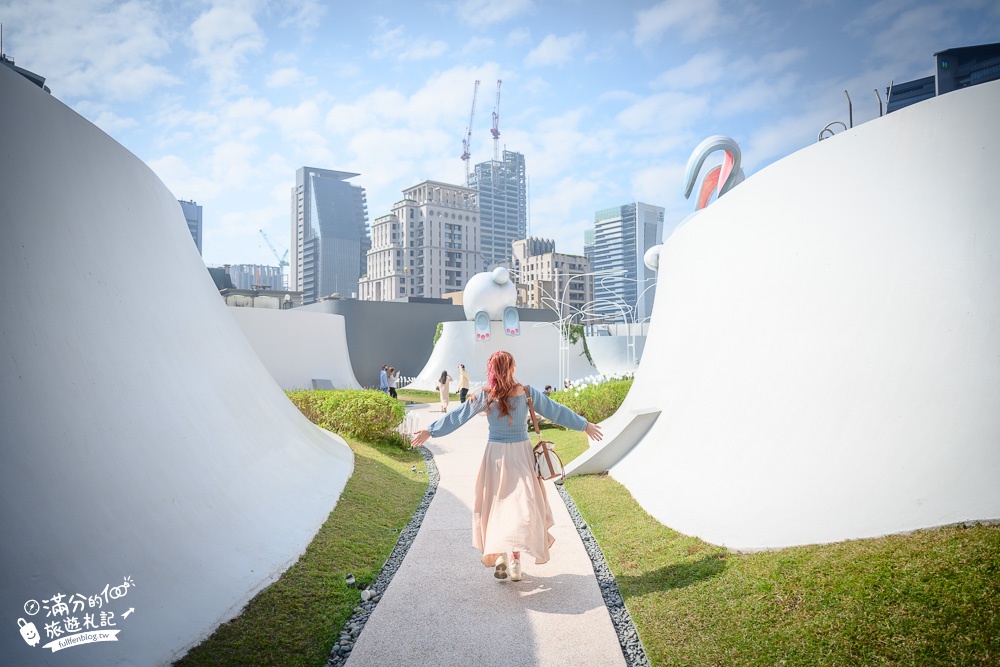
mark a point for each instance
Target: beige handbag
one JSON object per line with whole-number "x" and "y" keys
{"x": 548, "y": 465}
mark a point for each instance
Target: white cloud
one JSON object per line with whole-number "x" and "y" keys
{"x": 385, "y": 43}
{"x": 478, "y": 45}
{"x": 423, "y": 50}
{"x": 487, "y": 12}
{"x": 111, "y": 122}
{"x": 181, "y": 180}
{"x": 518, "y": 37}
{"x": 88, "y": 48}
{"x": 650, "y": 183}
{"x": 224, "y": 38}
{"x": 536, "y": 85}
{"x": 106, "y": 119}
{"x": 552, "y": 210}
{"x": 759, "y": 94}
{"x": 301, "y": 131}
{"x": 701, "y": 69}
{"x": 692, "y": 20}
{"x": 303, "y": 14}
{"x": 555, "y": 50}
{"x": 398, "y": 45}
{"x": 663, "y": 112}
{"x": 286, "y": 76}
{"x": 784, "y": 136}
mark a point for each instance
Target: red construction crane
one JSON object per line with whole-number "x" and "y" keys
{"x": 496, "y": 125}
{"x": 467, "y": 141}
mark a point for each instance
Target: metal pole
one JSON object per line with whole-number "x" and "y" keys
{"x": 850, "y": 110}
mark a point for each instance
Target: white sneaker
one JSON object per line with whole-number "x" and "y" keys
{"x": 515, "y": 569}
{"x": 500, "y": 572}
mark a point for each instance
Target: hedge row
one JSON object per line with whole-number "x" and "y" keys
{"x": 361, "y": 413}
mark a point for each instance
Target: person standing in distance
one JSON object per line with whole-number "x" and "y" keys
{"x": 463, "y": 383}
{"x": 393, "y": 381}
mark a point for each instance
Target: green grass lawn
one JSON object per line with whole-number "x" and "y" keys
{"x": 421, "y": 396}
{"x": 928, "y": 598}
{"x": 296, "y": 620}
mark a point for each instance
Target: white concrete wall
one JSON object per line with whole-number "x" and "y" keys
{"x": 536, "y": 354}
{"x": 138, "y": 437}
{"x": 825, "y": 344}
{"x": 298, "y": 346}
{"x": 612, "y": 356}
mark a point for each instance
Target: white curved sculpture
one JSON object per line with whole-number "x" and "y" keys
{"x": 142, "y": 439}
{"x": 490, "y": 297}
{"x": 489, "y": 292}
{"x": 536, "y": 352}
{"x": 823, "y": 347}
{"x": 298, "y": 346}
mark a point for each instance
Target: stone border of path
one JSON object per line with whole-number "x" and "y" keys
{"x": 352, "y": 629}
{"x": 628, "y": 638}
{"x": 632, "y": 648}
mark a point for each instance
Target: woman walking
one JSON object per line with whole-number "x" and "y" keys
{"x": 511, "y": 511}
{"x": 444, "y": 389}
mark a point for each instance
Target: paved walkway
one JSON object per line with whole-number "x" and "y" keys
{"x": 443, "y": 607}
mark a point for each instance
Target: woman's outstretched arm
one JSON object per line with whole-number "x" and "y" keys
{"x": 562, "y": 415}
{"x": 451, "y": 421}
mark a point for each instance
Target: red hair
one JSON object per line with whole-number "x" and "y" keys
{"x": 500, "y": 381}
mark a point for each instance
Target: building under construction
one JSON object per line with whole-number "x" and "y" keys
{"x": 503, "y": 206}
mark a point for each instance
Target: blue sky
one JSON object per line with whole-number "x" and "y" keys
{"x": 224, "y": 100}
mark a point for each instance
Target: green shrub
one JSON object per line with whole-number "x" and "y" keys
{"x": 595, "y": 402}
{"x": 365, "y": 414}
{"x": 437, "y": 333}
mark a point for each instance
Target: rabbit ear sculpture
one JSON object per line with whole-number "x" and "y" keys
{"x": 720, "y": 180}
{"x": 723, "y": 178}
{"x": 490, "y": 297}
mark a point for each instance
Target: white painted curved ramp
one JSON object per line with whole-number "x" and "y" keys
{"x": 536, "y": 354}
{"x": 141, "y": 437}
{"x": 298, "y": 346}
{"x": 825, "y": 344}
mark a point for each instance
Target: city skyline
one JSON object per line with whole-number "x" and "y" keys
{"x": 225, "y": 100}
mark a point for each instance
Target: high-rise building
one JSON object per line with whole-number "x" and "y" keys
{"x": 549, "y": 278}
{"x": 256, "y": 276}
{"x": 622, "y": 235}
{"x": 192, "y": 213}
{"x": 503, "y": 207}
{"x": 428, "y": 246}
{"x": 329, "y": 233}
{"x": 954, "y": 68}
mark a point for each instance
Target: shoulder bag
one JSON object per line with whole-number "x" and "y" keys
{"x": 548, "y": 465}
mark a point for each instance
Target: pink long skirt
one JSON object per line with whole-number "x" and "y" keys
{"x": 511, "y": 510}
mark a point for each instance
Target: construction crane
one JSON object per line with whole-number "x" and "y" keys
{"x": 282, "y": 259}
{"x": 467, "y": 141}
{"x": 496, "y": 125}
